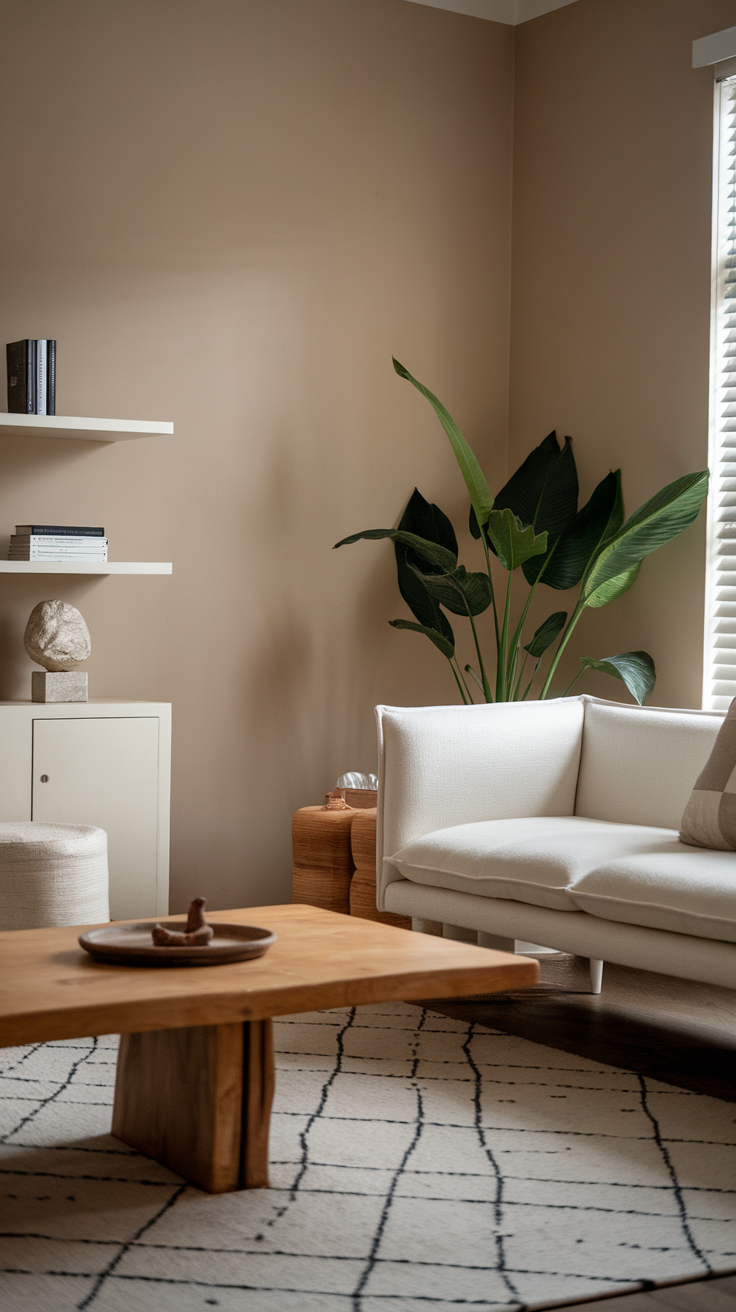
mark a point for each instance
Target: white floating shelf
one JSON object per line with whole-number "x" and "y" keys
{"x": 87, "y": 430}
{"x": 83, "y": 567}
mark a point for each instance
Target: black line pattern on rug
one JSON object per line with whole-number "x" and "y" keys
{"x": 104, "y": 1276}
{"x": 491, "y": 1158}
{"x": 515, "y": 1129}
{"x": 576, "y": 1277}
{"x": 279, "y": 1252}
{"x": 538, "y": 1179}
{"x": 681, "y": 1207}
{"x": 52, "y": 1096}
{"x": 315, "y": 1116}
{"x": 459, "y": 1079}
{"x": 33, "y": 1049}
{"x": 290, "y": 1289}
{"x": 418, "y": 1125}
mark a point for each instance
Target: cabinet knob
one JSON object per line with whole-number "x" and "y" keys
{"x": 44, "y": 778}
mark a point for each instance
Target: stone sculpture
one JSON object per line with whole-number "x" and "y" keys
{"x": 57, "y": 637}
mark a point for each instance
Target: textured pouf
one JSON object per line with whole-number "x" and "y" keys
{"x": 52, "y": 875}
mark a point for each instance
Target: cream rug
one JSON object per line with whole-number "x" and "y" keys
{"x": 418, "y": 1164}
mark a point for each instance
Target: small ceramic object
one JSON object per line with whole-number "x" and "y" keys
{"x": 197, "y": 943}
{"x": 195, "y": 933}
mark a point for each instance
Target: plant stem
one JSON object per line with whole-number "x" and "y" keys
{"x": 465, "y": 682}
{"x": 513, "y": 661}
{"x": 531, "y": 681}
{"x": 572, "y": 683}
{"x": 501, "y": 689}
{"x": 486, "y": 685}
{"x": 515, "y": 697}
{"x": 563, "y": 643}
{"x": 490, "y": 580}
{"x": 518, "y": 630}
{"x": 457, "y": 681}
{"x": 469, "y": 670}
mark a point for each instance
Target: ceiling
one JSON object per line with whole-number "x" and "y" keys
{"x": 499, "y": 11}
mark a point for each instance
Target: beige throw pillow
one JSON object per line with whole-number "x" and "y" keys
{"x": 709, "y": 819}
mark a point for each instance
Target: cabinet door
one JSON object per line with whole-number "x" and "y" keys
{"x": 105, "y": 772}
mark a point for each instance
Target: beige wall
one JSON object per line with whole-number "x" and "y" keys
{"x": 611, "y": 287}
{"x": 230, "y": 213}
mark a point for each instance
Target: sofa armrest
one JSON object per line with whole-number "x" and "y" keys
{"x": 451, "y": 765}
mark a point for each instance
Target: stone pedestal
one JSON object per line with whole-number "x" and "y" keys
{"x": 59, "y": 686}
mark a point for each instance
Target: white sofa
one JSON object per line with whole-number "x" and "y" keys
{"x": 556, "y": 823}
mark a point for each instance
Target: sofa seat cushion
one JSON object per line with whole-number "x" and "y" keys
{"x": 685, "y": 889}
{"x": 530, "y": 860}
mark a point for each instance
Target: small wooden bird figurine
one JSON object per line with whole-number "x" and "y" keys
{"x": 197, "y": 933}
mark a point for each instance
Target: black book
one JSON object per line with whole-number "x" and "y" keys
{"x": 58, "y": 531}
{"x": 21, "y": 358}
{"x": 51, "y": 377}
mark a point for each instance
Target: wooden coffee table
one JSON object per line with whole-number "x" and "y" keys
{"x": 195, "y": 1075}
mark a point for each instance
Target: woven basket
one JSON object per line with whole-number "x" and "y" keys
{"x": 323, "y": 861}
{"x": 363, "y": 883}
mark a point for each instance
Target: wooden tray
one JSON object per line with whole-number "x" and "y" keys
{"x": 132, "y": 945}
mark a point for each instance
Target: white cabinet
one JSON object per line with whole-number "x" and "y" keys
{"x": 105, "y": 772}
{"x": 96, "y": 763}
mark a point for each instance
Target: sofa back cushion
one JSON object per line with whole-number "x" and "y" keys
{"x": 639, "y": 764}
{"x": 452, "y": 765}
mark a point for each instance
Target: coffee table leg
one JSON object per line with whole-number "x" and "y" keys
{"x": 199, "y": 1101}
{"x": 259, "y": 1083}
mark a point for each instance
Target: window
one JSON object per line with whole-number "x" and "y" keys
{"x": 719, "y": 672}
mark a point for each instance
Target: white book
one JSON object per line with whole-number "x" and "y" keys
{"x": 64, "y": 555}
{"x": 61, "y": 560}
{"x": 54, "y": 553}
{"x": 41, "y": 375}
{"x": 23, "y": 541}
{"x": 57, "y": 555}
{"x": 44, "y": 546}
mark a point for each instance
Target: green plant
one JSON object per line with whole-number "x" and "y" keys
{"x": 533, "y": 524}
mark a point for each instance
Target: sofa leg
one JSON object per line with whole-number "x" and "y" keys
{"x": 501, "y": 945}
{"x": 596, "y": 974}
{"x": 421, "y": 926}
{"x": 460, "y": 934}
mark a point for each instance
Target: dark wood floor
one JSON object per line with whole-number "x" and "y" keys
{"x": 668, "y": 1029}
{"x": 715, "y": 1295}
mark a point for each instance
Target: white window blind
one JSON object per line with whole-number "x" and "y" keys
{"x": 719, "y": 676}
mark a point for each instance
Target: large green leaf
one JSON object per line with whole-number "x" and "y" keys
{"x": 544, "y": 493}
{"x": 546, "y": 634}
{"x": 634, "y": 668}
{"x": 659, "y": 520}
{"x": 430, "y": 551}
{"x": 597, "y": 521}
{"x": 544, "y": 490}
{"x": 429, "y": 522}
{"x": 459, "y": 591}
{"x": 613, "y": 588}
{"x": 481, "y": 496}
{"x": 446, "y": 646}
{"x": 512, "y": 542}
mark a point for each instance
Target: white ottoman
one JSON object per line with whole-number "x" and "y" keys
{"x": 52, "y": 875}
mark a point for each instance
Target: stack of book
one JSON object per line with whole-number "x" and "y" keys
{"x": 58, "y": 542}
{"x": 32, "y": 376}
